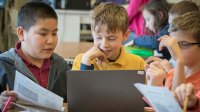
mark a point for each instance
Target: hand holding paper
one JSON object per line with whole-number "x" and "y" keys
{"x": 160, "y": 98}
{"x": 5, "y": 99}
{"x": 7, "y": 104}
{"x": 32, "y": 94}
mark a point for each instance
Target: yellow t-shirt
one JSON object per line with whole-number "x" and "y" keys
{"x": 125, "y": 61}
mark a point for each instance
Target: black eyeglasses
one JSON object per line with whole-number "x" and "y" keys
{"x": 185, "y": 45}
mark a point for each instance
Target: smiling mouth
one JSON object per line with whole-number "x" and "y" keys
{"x": 50, "y": 49}
{"x": 106, "y": 52}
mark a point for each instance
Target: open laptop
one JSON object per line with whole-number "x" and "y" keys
{"x": 104, "y": 91}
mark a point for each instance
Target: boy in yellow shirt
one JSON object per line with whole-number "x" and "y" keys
{"x": 109, "y": 26}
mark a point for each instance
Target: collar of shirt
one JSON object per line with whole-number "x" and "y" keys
{"x": 120, "y": 60}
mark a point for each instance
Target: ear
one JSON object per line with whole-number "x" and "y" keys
{"x": 20, "y": 33}
{"x": 126, "y": 35}
{"x": 161, "y": 15}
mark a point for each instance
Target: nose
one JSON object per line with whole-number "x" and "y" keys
{"x": 146, "y": 25}
{"x": 52, "y": 39}
{"x": 104, "y": 43}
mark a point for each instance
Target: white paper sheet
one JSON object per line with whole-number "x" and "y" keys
{"x": 159, "y": 97}
{"x": 31, "y": 93}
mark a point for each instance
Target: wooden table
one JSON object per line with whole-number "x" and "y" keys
{"x": 18, "y": 109}
{"x": 66, "y": 109}
{"x": 69, "y": 50}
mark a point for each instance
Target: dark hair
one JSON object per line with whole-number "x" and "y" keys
{"x": 31, "y": 12}
{"x": 183, "y": 7}
{"x": 155, "y": 7}
{"x": 188, "y": 22}
{"x": 110, "y": 14}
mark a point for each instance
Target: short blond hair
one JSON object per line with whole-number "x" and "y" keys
{"x": 110, "y": 14}
{"x": 189, "y": 22}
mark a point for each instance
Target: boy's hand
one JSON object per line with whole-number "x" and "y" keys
{"x": 91, "y": 54}
{"x": 153, "y": 59}
{"x": 183, "y": 91}
{"x": 173, "y": 47}
{"x": 155, "y": 74}
{"x": 4, "y": 97}
{"x": 150, "y": 60}
{"x": 166, "y": 65}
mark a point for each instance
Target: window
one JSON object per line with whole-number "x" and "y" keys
{"x": 2, "y": 3}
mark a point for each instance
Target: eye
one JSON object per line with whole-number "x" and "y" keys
{"x": 183, "y": 44}
{"x": 54, "y": 34}
{"x": 112, "y": 38}
{"x": 147, "y": 19}
{"x": 42, "y": 33}
{"x": 98, "y": 38}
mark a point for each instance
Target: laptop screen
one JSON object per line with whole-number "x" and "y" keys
{"x": 104, "y": 91}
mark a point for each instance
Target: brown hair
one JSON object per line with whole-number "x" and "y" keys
{"x": 183, "y": 7}
{"x": 155, "y": 7}
{"x": 189, "y": 22}
{"x": 111, "y": 14}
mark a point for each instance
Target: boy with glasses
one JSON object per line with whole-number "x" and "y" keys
{"x": 184, "y": 37}
{"x": 184, "y": 46}
{"x": 158, "y": 78}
